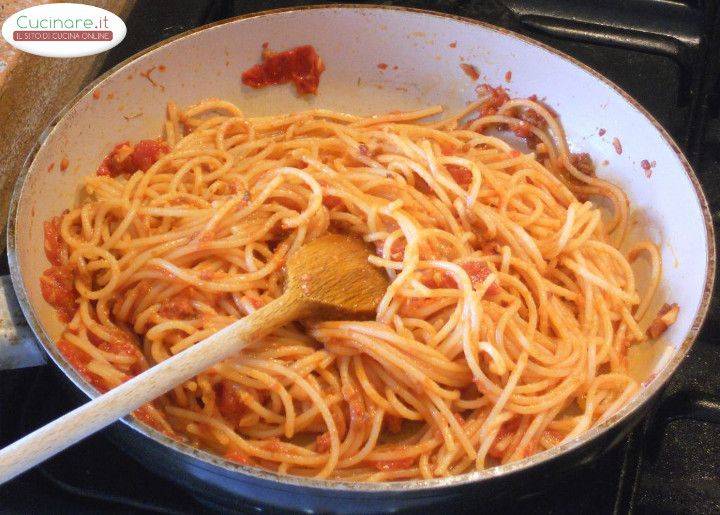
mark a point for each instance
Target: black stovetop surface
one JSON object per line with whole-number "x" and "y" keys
{"x": 664, "y": 53}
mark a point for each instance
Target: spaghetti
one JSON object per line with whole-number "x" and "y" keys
{"x": 503, "y": 332}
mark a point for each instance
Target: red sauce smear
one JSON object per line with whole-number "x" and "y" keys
{"x": 382, "y": 66}
{"x": 618, "y": 146}
{"x": 462, "y": 175}
{"x": 179, "y": 306}
{"x": 152, "y": 81}
{"x": 64, "y": 163}
{"x": 238, "y": 457}
{"x": 79, "y": 361}
{"x": 58, "y": 290}
{"x": 55, "y": 249}
{"x": 497, "y": 450}
{"x": 322, "y": 442}
{"x": 398, "y": 464}
{"x": 453, "y": 44}
{"x": 301, "y": 65}
{"x": 647, "y": 166}
{"x": 508, "y": 76}
{"x": 470, "y": 71}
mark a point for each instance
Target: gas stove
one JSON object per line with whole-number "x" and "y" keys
{"x": 666, "y": 54}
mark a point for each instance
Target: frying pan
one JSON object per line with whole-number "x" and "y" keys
{"x": 377, "y": 59}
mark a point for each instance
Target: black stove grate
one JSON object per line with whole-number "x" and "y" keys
{"x": 663, "y": 52}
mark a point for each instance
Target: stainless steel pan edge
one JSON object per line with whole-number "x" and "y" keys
{"x": 203, "y": 463}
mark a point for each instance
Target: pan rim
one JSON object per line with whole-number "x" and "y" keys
{"x": 383, "y": 488}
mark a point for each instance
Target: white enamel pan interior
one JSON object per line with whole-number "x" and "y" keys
{"x": 423, "y": 53}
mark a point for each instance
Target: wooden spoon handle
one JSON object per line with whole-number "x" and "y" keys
{"x": 143, "y": 388}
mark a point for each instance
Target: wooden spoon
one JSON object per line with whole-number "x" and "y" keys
{"x": 328, "y": 278}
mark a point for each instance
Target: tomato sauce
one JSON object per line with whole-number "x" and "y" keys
{"x": 79, "y": 361}
{"x": 393, "y": 423}
{"x": 462, "y": 175}
{"x": 56, "y": 285}
{"x": 322, "y": 442}
{"x": 497, "y": 450}
{"x": 331, "y": 201}
{"x": 397, "y": 249}
{"x": 179, "y": 306}
{"x": 55, "y": 250}
{"x": 301, "y": 65}
{"x": 144, "y": 415}
{"x": 411, "y": 306}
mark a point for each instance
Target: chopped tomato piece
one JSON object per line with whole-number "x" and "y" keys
{"x": 228, "y": 400}
{"x": 147, "y": 152}
{"x": 126, "y": 158}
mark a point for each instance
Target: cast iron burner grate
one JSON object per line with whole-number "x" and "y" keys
{"x": 664, "y": 53}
